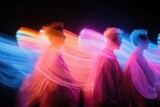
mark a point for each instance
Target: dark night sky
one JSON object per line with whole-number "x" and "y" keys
{"x": 76, "y": 15}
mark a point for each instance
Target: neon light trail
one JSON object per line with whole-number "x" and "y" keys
{"x": 18, "y": 57}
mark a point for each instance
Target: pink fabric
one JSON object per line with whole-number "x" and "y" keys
{"x": 142, "y": 75}
{"x": 50, "y": 85}
{"x": 109, "y": 83}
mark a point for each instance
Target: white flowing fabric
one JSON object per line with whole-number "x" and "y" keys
{"x": 142, "y": 75}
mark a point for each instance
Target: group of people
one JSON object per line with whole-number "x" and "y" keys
{"x": 52, "y": 85}
{"x": 136, "y": 86}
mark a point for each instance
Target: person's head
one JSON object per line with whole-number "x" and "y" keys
{"x": 54, "y": 32}
{"x": 139, "y": 38}
{"x": 113, "y": 36}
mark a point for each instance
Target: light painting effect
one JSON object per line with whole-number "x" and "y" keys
{"x": 15, "y": 62}
{"x": 18, "y": 57}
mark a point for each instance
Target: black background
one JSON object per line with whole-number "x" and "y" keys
{"x": 76, "y": 15}
{"x": 97, "y": 15}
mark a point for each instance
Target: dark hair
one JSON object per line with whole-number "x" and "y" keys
{"x": 138, "y": 35}
{"x": 57, "y": 26}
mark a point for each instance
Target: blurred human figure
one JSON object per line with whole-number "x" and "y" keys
{"x": 109, "y": 84}
{"x": 140, "y": 77}
{"x": 50, "y": 84}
